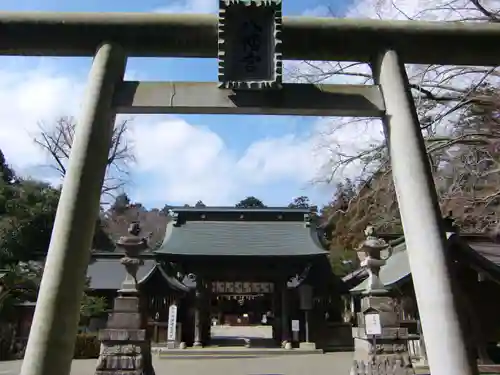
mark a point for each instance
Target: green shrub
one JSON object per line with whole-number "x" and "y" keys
{"x": 87, "y": 346}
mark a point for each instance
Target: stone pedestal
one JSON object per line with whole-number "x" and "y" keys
{"x": 125, "y": 345}
{"x": 307, "y": 346}
{"x": 384, "y": 354}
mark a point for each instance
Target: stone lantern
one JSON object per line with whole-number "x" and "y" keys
{"x": 373, "y": 247}
{"x": 125, "y": 344}
{"x": 132, "y": 246}
{"x": 380, "y": 343}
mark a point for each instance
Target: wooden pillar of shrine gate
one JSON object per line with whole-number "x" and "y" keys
{"x": 276, "y": 312}
{"x": 206, "y": 322}
{"x": 198, "y": 310}
{"x": 286, "y": 335}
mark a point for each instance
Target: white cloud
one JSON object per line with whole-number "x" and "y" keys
{"x": 189, "y": 6}
{"x": 288, "y": 157}
{"x": 29, "y": 97}
{"x": 177, "y": 161}
{"x": 185, "y": 162}
{"x": 317, "y": 11}
{"x": 189, "y": 162}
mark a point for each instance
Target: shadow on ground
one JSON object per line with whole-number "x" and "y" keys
{"x": 317, "y": 364}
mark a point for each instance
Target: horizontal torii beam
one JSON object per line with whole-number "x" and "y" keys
{"x": 195, "y": 35}
{"x": 206, "y": 98}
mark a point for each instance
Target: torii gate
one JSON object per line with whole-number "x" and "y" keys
{"x": 112, "y": 37}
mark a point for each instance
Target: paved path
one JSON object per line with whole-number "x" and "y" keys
{"x": 317, "y": 364}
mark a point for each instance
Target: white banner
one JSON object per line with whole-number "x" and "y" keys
{"x": 172, "y": 323}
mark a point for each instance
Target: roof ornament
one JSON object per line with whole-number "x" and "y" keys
{"x": 450, "y": 224}
{"x": 303, "y": 275}
{"x": 173, "y": 216}
{"x": 373, "y": 246}
{"x": 312, "y": 217}
{"x": 298, "y": 279}
{"x": 318, "y": 232}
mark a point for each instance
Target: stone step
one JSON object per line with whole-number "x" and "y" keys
{"x": 240, "y": 342}
{"x": 235, "y": 352}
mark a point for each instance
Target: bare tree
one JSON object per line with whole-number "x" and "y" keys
{"x": 119, "y": 216}
{"x": 441, "y": 92}
{"x": 458, "y": 109}
{"x": 468, "y": 176}
{"x": 56, "y": 139}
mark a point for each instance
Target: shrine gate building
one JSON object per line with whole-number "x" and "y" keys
{"x": 233, "y": 266}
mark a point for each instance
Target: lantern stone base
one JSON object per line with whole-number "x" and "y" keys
{"x": 384, "y": 354}
{"x": 307, "y": 346}
{"x": 125, "y": 345}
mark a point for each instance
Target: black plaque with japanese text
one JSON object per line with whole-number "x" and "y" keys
{"x": 249, "y": 44}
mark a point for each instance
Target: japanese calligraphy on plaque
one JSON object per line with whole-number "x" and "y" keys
{"x": 229, "y": 287}
{"x": 249, "y": 44}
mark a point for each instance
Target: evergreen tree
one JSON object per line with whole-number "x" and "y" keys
{"x": 121, "y": 204}
{"x": 300, "y": 202}
{"x": 200, "y": 204}
{"x": 250, "y": 202}
{"x": 7, "y": 174}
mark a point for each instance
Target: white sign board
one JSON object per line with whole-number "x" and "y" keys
{"x": 372, "y": 325}
{"x": 295, "y": 326}
{"x": 172, "y": 323}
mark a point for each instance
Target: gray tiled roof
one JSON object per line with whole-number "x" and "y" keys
{"x": 398, "y": 266}
{"x": 240, "y": 238}
{"x": 109, "y": 273}
{"x": 356, "y": 274}
{"x": 489, "y": 250}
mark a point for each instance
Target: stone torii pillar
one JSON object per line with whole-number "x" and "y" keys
{"x": 51, "y": 342}
{"x": 422, "y": 222}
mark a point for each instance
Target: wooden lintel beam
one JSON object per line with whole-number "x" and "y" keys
{"x": 207, "y": 98}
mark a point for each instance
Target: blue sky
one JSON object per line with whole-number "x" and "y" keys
{"x": 180, "y": 159}
{"x": 290, "y": 7}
